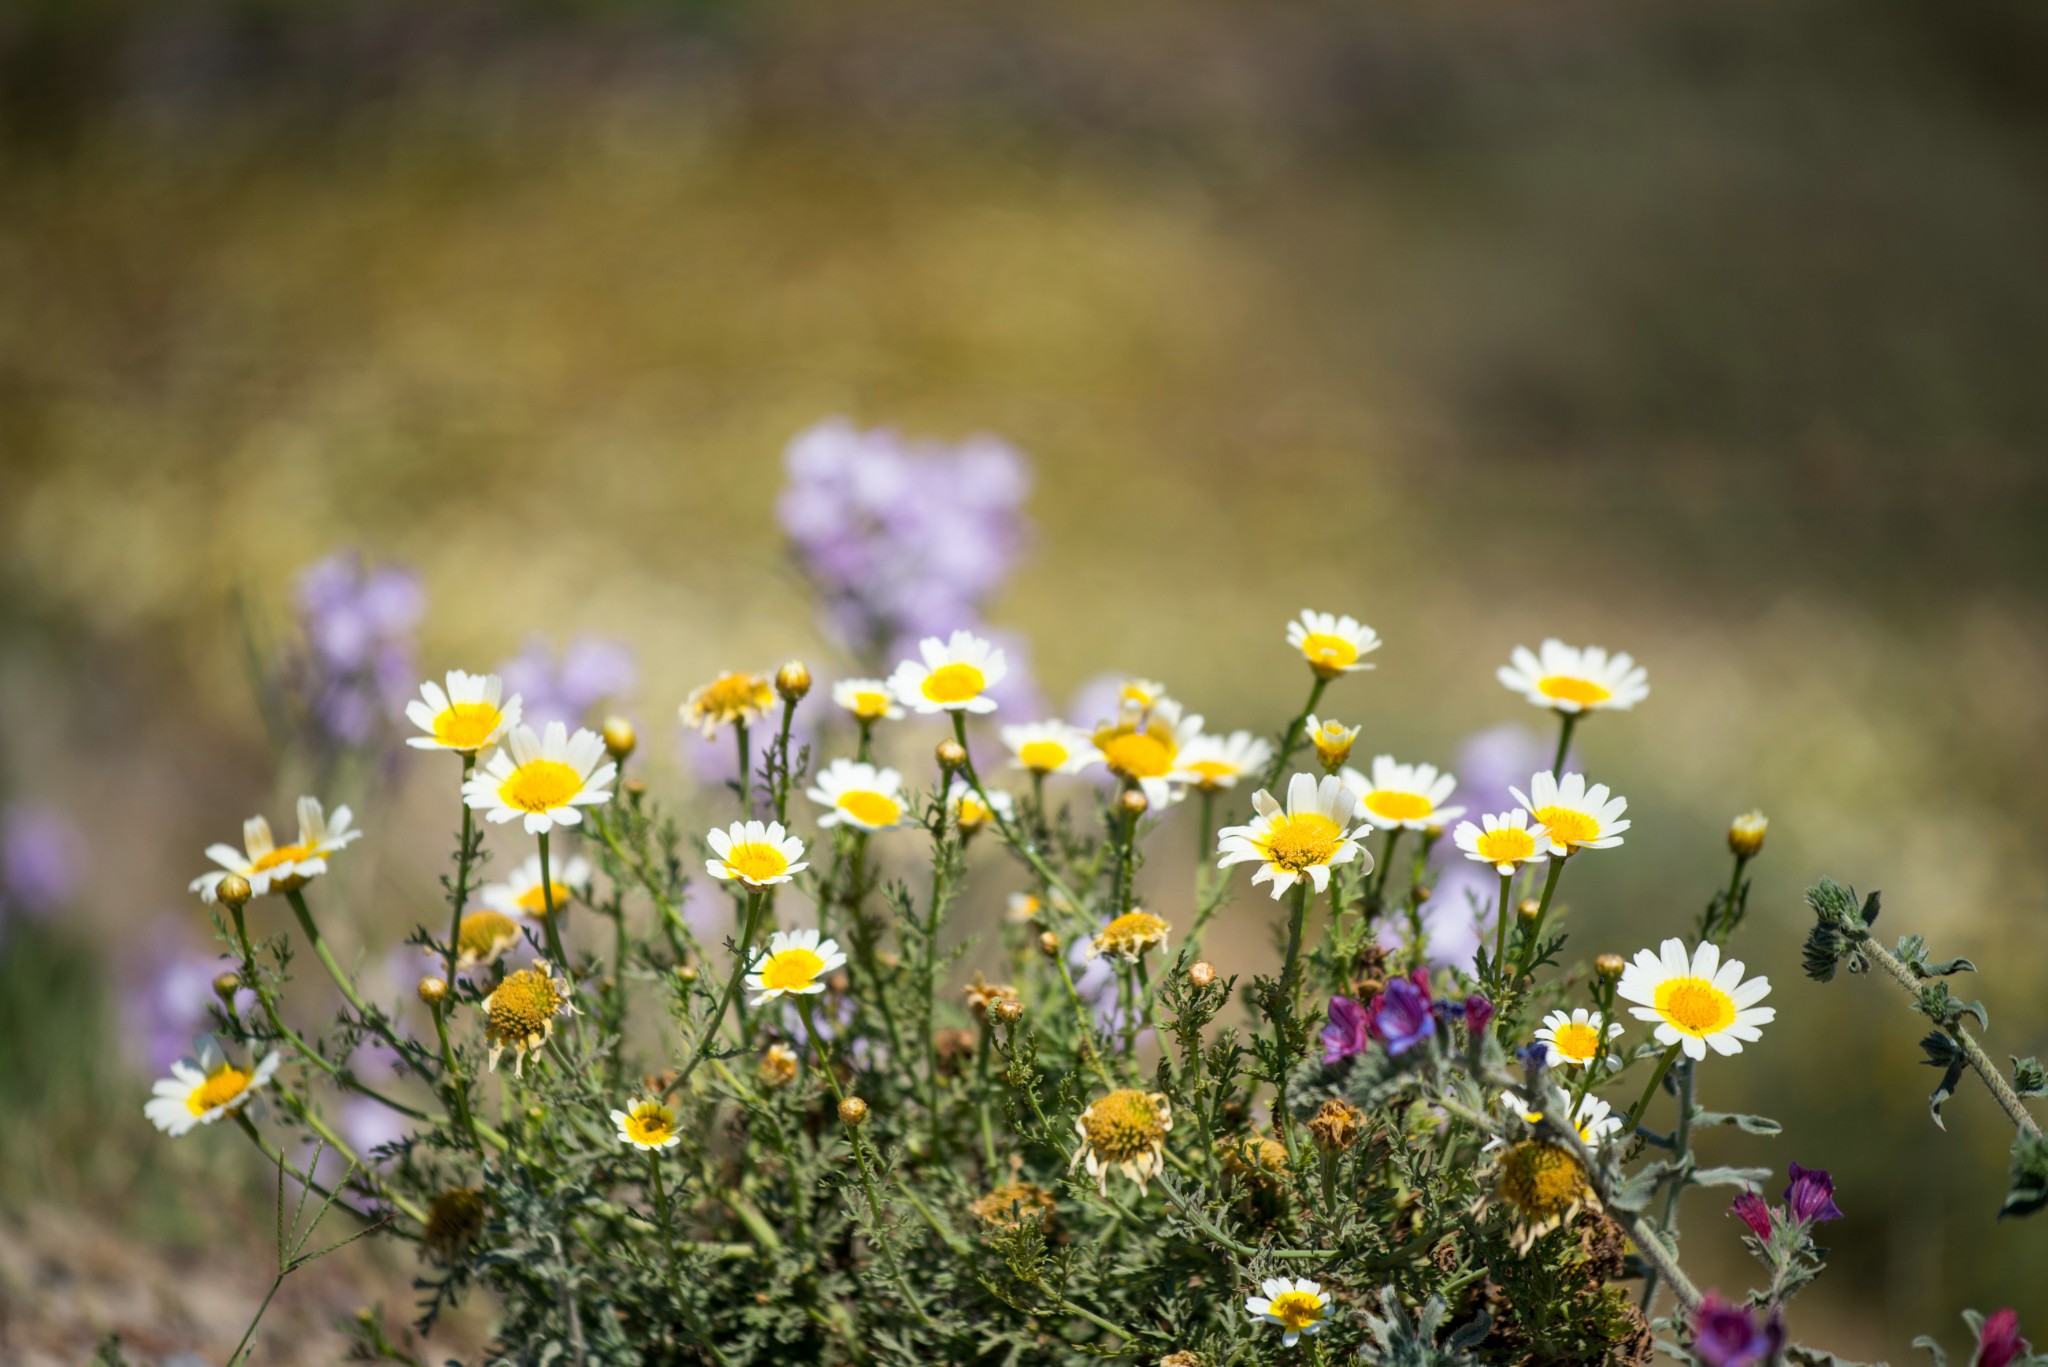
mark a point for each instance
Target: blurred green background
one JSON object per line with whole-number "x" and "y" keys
{"x": 1705, "y": 329}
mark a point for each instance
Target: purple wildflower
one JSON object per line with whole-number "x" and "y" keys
{"x": 1463, "y": 899}
{"x": 357, "y": 665}
{"x": 1478, "y": 1013}
{"x": 1345, "y": 1036}
{"x": 166, "y": 996}
{"x": 1726, "y": 1334}
{"x": 1999, "y": 1341}
{"x": 1491, "y": 760}
{"x": 566, "y": 688}
{"x": 1400, "y": 1016}
{"x": 41, "y": 854}
{"x": 1751, "y": 1209}
{"x": 1811, "y": 1197}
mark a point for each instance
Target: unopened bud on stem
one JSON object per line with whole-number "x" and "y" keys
{"x": 226, "y": 985}
{"x": 793, "y": 680}
{"x": 1610, "y": 967}
{"x": 234, "y": 890}
{"x": 433, "y": 991}
{"x": 1201, "y": 974}
{"x": 619, "y": 737}
{"x": 951, "y": 755}
{"x": 853, "y": 1113}
{"x": 1746, "y": 833}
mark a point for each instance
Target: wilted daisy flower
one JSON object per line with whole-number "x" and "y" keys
{"x": 869, "y": 700}
{"x": 1577, "y": 817}
{"x": 647, "y": 1124}
{"x": 728, "y": 700}
{"x": 1573, "y": 1039}
{"x": 468, "y": 716}
{"x": 1131, "y": 934}
{"x": 1507, "y": 843}
{"x": 1305, "y": 840}
{"x": 522, "y": 895}
{"x": 1594, "y": 1118}
{"x": 1410, "y": 796}
{"x": 271, "y": 867}
{"x": 1050, "y": 747}
{"x": 1297, "y": 1305}
{"x": 1696, "y": 1004}
{"x": 1570, "y": 679}
{"x": 1541, "y": 1186}
{"x": 1332, "y": 645}
{"x": 1144, "y": 746}
{"x": 1014, "y": 1204}
{"x": 755, "y": 854}
{"x": 966, "y": 810}
{"x": 484, "y": 937}
{"x": 546, "y": 779}
{"x": 795, "y": 962}
{"x": 859, "y": 795}
{"x": 1125, "y": 1130}
{"x": 520, "y": 1012}
{"x": 953, "y": 675}
{"x": 202, "y": 1089}
{"x": 1212, "y": 763}
{"x": 1332, "y": 740}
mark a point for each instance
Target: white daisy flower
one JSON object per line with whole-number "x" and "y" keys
{"x": 1696, "y": 1004}
{"x": 1574, "y": 1039}
{"x": 1332, "y": 645}
{"x": 756, "y": 855}
{"x": 1594, "y": 1118}
{"x": 468, "y": 716}
{"x": 647, "y": 1124}
{"x": 859, "y": 795}
{"x": 521, "y": 893}
{"x": 1305, "y": 840}
{"x": 1570, "y": 679}
{"x": 735, "y": 699}
{"x": 547, "y": 779}
{"x": 1403, "y": 795}
{"x": 271, "y": 867}
{"x": 1144, "y": 745}
{"x": 795, "y": 962}
{"x": 201, "y": 1090}
{"x": 1050, "y": 747}
{"x": 1507, "y": 843}
{"x": 1213, "y": 763}
{"x": 1332, "y": 740}
{"x": 966, "y": 810}
{"x": 953, "y": 675}
{"x": 869, "y": 700}
{"x": 1298, "y": 1305}
{"x": 1575, "y": 816}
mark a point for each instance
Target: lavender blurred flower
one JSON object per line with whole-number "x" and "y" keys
{"x": 1456, "y": 918}
{"x": 1491, "y": 760}
{"x": 1095, "y": 983}
{"x": 357, "y": 665}
{"x": 567, "y": 688}
{"x": 1752, "y": 1210}
{"x": 1726, "y": 1334}
{"x": 1400, "y": 1016}
{"x": 167, "y": 994}
{"x": 41, "y": 853}
{"x": 1999, "y": 1342}
{"x": 1811, "y": 1197}
{"x": 367, "y": 1124}
{"x": 1345, "y": 1036}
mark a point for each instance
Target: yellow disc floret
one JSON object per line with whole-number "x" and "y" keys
{"x": 1125, "y": 1130}
{"x": 1695, "y": 1006}
{"x": 222, "y": 1086}
{"x": 1130, "y": 935}
{"x": 483, "y": 937}
{"x": 520, "y": 1013}
{"x": 540, "y": 785}
{"x": 1301, "y": 840}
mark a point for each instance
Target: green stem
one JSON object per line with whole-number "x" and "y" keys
{"x": 1027, "y": 849}
{"x": 1635, "y": 1115}
{"x": 456, "y": 1086}
{"x": 1681, "y": 1151}
{"x": 1564, "y": 740}
{"x": 1293, "y": 736}
{"x": 755, "y": 900}
{"x": 1528, "y": 955}
{"x": 746, "y": 771}
{"x": 1719, "y": 928}
{"x": 1386, "y": 868}
{"x": 557, "y": 951}
{"x": 782, "y": 761}
{"x": 1500, "y": 934}
{"x": 668, "y": 1239}
{"x": 462, "y": 858}
{"x": 271, "y": 1152}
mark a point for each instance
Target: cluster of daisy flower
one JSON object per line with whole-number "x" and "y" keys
{"x": 817, "y": 1119}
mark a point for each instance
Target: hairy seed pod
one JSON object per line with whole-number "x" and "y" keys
{"x": 619, "y": 737}
{"x": 433, "y": 991}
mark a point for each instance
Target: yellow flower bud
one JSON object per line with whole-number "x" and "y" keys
{"x": 1134, "y": 803}
{"x": 1201, "y": 974}
{"x": 853, "y": 1113}
{"x": 1610, "y": 967}
{"x": 1746, "y": 833}
{"x": 234, "y": 890}
{"x": 793, "y": 680}
{"x": 951, "y": 755}
{"x": 226, "y": 985}
{"x": 433, "y": 991}
{"x": 619, "y": 738}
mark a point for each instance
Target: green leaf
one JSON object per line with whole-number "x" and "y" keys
{"x": 2029, "y": 1189}
{"x": 1731, "y": 1177}
{"x": 1945, "y": 1089}
{"x": 1934, "y": 1349}
{"x": 1748, "y": 1124}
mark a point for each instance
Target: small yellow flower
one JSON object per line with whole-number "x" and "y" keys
{"x": 1332, "y": 645}
{"x": 521, "y": 893}
{"x": 794, "y": 963}
{"x": 520, "y": 1013}
{"x": 1746, "y": 834}
{"x": 757, "y": 855}
{"x": 545, "y": 780}
{"x": 1305, "y": 839}
{"x": 953, "y": 675}
{"x": 869, "y": 700}
{"x": 1406, "y": 796}
{"x": 1050, "y": 747}
{"x": 1125, "y": 1130}
{"x": 859, "y": 795}
{"x": 1210, "y": 764}
{"x": 1131, "y": 934}
{"x": 1507, "y": 843}
{"x": 1574, "y": 1039}
{"x": 1541, "y": 1185}
{"x": 1145, "y": 746}
{"x": 1297, "y": 1305}
{"x": 647, "y": 1124}
{"x": 728, "y": 700}
{"x": 1570, "y": 679}
{"x": 1696, "y": 1003}
{"x": 468, "y": 716}
{"x": 1576, "y": 816}
{"x": 1332, "y": 740}
{"x": 968, "y": 812}
{"x": 202, "y": 1089}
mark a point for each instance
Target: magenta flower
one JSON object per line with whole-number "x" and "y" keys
{"x": 1346, "y": 1035}
{"x": 1478, "y": 1013}
{"x": 1999, "y": 1341}
{"x": 1400, "y": 1016}
{"x": 1751, "y": 1210}
{"x": 1811, "y": 1197}
{"x": 1725, "y": 1334}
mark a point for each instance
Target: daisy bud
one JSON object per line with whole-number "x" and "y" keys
{"x": 686, "y": 973}
{"x": 793, "y": 680}
{"x": 1746, "y": 833}
{"x": 1008, "y": 1010}
{"x": 853, "y": 1113}
{"x": 778, "y": 1066}
{"x": 1201, "y": 974}
{"x": 226, "y": 985}
{"x": 433, "y": 991}
{"x": 1134, "y": 803}
{"x": 619, "y": 739}
{"x": 1422, "y": 892}
{"x": 636, "y": 788}
{"x": 1332, "y": 740}
{"x": 951, "y": 755}
{"x": 1529, "y": 910}
{"x": 1049, "y": 944}
{"x": 1610, "y": 967}
{"x": 234, "y": 890}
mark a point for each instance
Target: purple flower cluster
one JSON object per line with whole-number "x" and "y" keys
{"x": 167, "y": 993}
{"x": 1809, "y": 1200}
{"x": 1400, "y": 1017}
{"x": 41, "y": 854}
{"x": 356, "y": 669}
{"x": 567, "y": 687}
{"x": 903, "y": 539}
{"x": 1728, "y": 1334}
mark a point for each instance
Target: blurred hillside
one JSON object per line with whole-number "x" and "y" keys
{"x": 1710, "y": 331}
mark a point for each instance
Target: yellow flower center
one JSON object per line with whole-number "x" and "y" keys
{"x": 954, "y": 683}
{"x": 523, "y": 1006}
{"x": 791, "y": 971}
{"x": 650, "y": 1123}
{"x": 732, "y": 697}
{"x": 1567, "y": 827}
{"x": 1695, "y": 1006}
{"x": 1210, "y": 773}
{"x": 1131, "y": 933}
{"x": 1043, "y": 755}
{"x": 540, "y": 785}
{"x": 871, "y": 809}
{"x": 283, "y": 854}
{"x": 1137, "y": 754}
{"x": 222, "y": 1085}
{"x": 466, "y": 725}
{"x": 1508, "y": 845}
{"x": 485, "y": 935}
{"x": 534, "y": 900}
{"x": 1329, "y": 652}
{"x": 1301, "y": 840}
{"x": 1576, "y": 1042}
{"x": 1123, "y": 1125}
{"x": 752, "y": 863}
{"x": 870, "y": 706}
{"x": 1296, "y": 1310}
{"x": 1541, "y": 1181}
{"x": 1565, "y": 688}
{"x": 1398, "y": 806}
